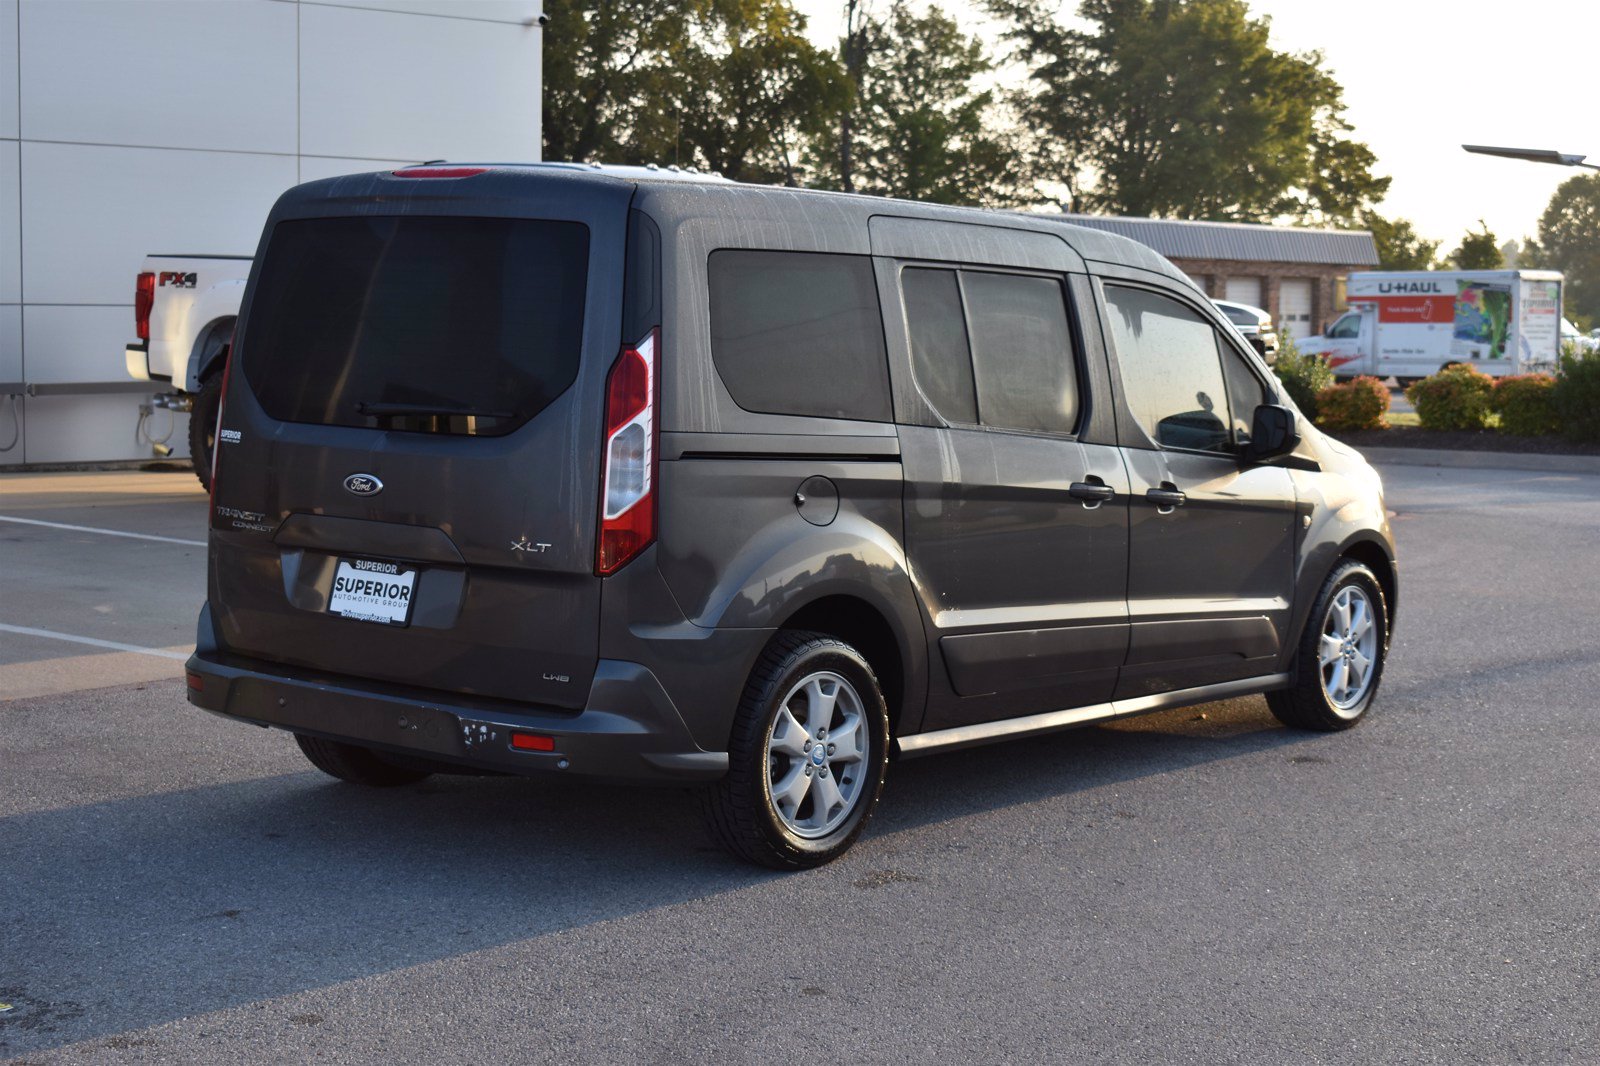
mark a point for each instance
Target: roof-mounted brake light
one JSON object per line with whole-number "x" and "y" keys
{"x": 439, "y": 172}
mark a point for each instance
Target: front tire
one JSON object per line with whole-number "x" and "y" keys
{"x": 203, "y": 424}
{"x": 807, "y": 755}
{"x": 358, "y": 765}
{"x": 1341, "y": 655}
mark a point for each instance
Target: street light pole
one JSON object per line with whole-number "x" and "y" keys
{"x": 1533, "y": 155}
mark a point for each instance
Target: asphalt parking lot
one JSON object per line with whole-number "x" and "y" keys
{"x": 1196, "y": 886}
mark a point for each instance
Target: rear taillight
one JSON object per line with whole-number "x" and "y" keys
{"x": 216, "y": 440}
{"x": 628, "y": 474}
{"x": 144, "y": 298}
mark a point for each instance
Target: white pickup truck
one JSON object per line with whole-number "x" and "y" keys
{"x": 184, "y": 310}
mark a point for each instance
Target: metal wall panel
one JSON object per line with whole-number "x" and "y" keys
{"x": 9, "y": 57}
{"x": 379, "y": 85}
{"x": 10, "y": 224}
{"x": 170, "y": 126}
{"x": 160, "y": 73}
{"x": 92, "y": 214}
{"x": 519, "y": 12}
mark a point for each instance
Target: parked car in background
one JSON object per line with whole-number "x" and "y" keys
{"x": 184, "y": 309}
{"x": 1255, "y": 324}
{"x": 602, "y": 472}
{"x": 1583, "y": 342}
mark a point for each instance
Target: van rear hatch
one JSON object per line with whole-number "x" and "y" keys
{"x": 408, "y": 462}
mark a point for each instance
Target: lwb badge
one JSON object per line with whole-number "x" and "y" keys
{"x": 363, "y": 485}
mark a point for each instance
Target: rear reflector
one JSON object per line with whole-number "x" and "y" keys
{"x": 628, "y": 477}
{"x": 144, "y": 298}
{"x": 197, "y": 682}
{"x": 439, "y": 172}
{"x": 532, "y": 742}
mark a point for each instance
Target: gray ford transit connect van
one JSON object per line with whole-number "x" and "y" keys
{"x": 624, "y": 474}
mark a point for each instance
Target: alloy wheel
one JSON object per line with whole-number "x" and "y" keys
{"x": 816, "y": 755}
{"x": 1348, "y": 652}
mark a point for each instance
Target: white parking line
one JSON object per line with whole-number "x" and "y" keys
{"x": 50, "y": 634}
{"x": 103, "y": 532}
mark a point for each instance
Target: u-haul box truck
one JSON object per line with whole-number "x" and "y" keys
{"x": 1409, "y": 324}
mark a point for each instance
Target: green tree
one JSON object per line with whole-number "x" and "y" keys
{"x": 1569, "y": 241}
{"x": 1182, "y": 109}
{"x": 605, "y": 61}
{"x": 1400, "y": 247}
{"x": 751, "y": 90}
{"x": 922, "y": 128}
{"x": 732, "y": 86}
{"x": 1477, "y": 251}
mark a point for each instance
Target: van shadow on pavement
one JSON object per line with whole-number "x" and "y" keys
{"x": 135, "y": 912}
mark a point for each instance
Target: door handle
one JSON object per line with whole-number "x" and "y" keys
{"x": 1167, "y": 498}
{"x": 1092, "y": 491}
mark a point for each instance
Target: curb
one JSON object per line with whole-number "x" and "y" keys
{"x": 1447, "y": 457}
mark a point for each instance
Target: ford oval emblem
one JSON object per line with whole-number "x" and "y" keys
{"x": 363, "y": 485}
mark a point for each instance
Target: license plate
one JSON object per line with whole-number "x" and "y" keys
{"x": 372, "y": 591}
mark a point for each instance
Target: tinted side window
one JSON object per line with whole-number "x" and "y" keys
{"x": 1245, "y": 392}
{"x": 1170, "y": 370}
{"x": 940, "y": 356}
{"x": 799, "y": 333}
{"x": 1022, "y": 356}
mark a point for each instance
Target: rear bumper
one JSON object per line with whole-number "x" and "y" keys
{"x": 136, "y": 357}
{"x": 629, "y": 730}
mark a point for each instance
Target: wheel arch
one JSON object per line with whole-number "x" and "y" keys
{"x": 864, "y": 626}
{"x": 1364, "y": 546}
{"x": 205, "y": 355}
{"x": 1373, "y": 555}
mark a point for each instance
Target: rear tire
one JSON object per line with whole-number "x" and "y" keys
{"x": 1340, "y": 659}
{"x": 358, "y": 765}
{"x": 203, "y": 423}
{"x": 807, "y": 755}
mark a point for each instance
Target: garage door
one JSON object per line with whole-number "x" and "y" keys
{"x": 1294, "y": 307}
{"x": 1243, "y": 291}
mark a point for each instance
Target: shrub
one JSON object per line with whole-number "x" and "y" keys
{"x": 1523, "y": 403}
{"x": 1457, "y": 397}
{"x": 1575, "y": 399}
{"x": 1359, "y": 403}
{"x": 1303, "y": 376}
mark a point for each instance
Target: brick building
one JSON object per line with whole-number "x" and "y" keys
{"x": 1297, "y": 275}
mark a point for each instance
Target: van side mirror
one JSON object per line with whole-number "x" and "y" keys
{"x": 1272, "y": 434}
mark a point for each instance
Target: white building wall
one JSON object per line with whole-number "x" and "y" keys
{"x": 136, "y": 126}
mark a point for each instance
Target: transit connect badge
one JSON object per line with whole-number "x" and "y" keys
{"x": 363, "y": 485}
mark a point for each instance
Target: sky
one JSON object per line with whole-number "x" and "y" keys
{"x": 1422, "y": 78}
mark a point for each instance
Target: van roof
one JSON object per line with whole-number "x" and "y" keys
{"x": 682, "y": 192}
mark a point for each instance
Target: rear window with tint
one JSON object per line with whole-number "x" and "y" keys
{"x": 427, "y": 324}
{"x": 799, "y": 333}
